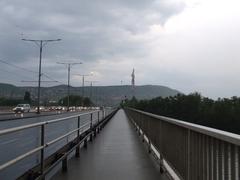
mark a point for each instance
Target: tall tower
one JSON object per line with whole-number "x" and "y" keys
{"x": 133, "y": 82}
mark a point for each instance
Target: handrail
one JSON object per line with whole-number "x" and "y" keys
{"x": 216, "y": 133}
{"x": 192, "y": 151}
{"x": 19, "y": 128}
{"x": 69, "y": 117}
{"x": 19, "y": 158}
{"x": 65, "y": 135}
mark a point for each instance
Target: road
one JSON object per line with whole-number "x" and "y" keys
{"x": 12, "y": 115}
{"x": 15, "y": 144}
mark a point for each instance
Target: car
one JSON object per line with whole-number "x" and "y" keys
{"x": 72, "y": 108}
{"x": 21, "y": 108}
{"x": 52, "y": 108}
{"x": 41, "y": 108}
{"x": 58, "y": 108}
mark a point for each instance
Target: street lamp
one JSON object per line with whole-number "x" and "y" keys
{"x": 69, "y": 69}
{"x": 40, "y": 44}
{"x": 83, "y": 80}
{"x": 91, "y": 86}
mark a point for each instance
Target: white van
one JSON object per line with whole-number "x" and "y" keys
{"x": 21, "y": 108}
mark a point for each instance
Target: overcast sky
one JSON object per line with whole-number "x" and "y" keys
{"x": 189, "y": 45}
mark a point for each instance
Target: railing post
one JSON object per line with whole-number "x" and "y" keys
{"x": 161, "y": 165}
{"x": 85, "y": 143}
{"x": 103, "y": 114}
{"x": 222, "y": 160}
{"x": 98, "y": 122}
{"x": 101, "y": 126}
{"x": 98, "y": 116}
{"x": 236, "y": 155}
{"x": 91, "y": 124}
{"x": 139, "y": 131}
{"x": 95, "y": 132}
{"x": 217, "y": 159}
{"x": 64, "y": 164}
{"x": 78, "y": 139}
{"x": 42, "y": 150}
{"x": 188, "y": 154}
{"x": 149, "y": 146}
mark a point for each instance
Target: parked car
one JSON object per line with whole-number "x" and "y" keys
{"x": 21, "y": 108}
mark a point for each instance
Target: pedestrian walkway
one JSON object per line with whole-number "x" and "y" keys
{"x": 115, "y": 154}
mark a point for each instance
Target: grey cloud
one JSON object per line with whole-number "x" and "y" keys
{"x": 91, "y": 30}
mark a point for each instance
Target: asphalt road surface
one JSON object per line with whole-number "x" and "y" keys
{"x": 12, "y": 115}
{"x": 18, "y": 143}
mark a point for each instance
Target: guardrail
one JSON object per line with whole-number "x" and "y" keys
{"x": 193, "y": 151}
{"x": 88, "y": 129}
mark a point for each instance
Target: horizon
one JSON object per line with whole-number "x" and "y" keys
{"x": 128, "y": 85}
{"x": 93, "y": 85}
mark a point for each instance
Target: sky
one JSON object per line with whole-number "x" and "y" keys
{"x": 188, "y": 45}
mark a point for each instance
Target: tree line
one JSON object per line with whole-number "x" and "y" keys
{"x": 74, "y": 100}
{"x": 223, "y": 113}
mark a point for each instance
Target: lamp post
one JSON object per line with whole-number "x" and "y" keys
{"x": 83, "y": 81}
{"x": 69, "y": 69}
{"x": 40, "y": 44}
{"x": 91, "y": 86}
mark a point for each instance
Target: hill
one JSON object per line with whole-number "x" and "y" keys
{"x": 104, "y": 95}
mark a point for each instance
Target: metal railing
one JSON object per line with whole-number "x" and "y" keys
{"x": 80, "y": 129}
{"x": 193, "y": 151}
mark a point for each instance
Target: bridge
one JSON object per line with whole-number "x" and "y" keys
{"x": 116, "y": 144}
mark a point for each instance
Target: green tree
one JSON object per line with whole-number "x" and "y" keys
{"x": 75, "y": 100}
{"x": 27, "y": 97}
{"x": 222, "y": 114}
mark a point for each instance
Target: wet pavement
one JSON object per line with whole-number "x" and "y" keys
{"x": 18, "y": 143}
{"x": 116, "y": 154}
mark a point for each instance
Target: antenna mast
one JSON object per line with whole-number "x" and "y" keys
{"x": 133, "y": 82}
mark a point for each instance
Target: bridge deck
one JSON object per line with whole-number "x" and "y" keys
{"x": 116, "y": 153}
